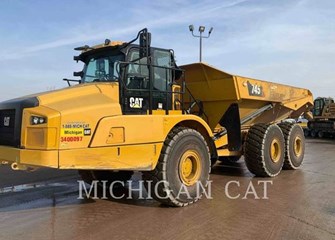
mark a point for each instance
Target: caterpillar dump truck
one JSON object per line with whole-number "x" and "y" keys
{"x": 322, "y": 122}
{"x": 134, "y": 109}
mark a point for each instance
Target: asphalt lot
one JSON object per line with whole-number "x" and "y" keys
{"x": 300, "y": 205}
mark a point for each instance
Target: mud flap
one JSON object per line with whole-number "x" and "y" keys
{"x": 232, "y": 123}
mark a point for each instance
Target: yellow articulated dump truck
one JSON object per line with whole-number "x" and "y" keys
{"x": 134, "y": 109}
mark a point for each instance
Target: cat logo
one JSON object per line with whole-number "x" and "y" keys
{"x": 6, "y": 121}
{"x": 87, "y": 132}
{"x": 136, "y": 102}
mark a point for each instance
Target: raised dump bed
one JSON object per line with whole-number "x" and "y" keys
{"x": 218, "y": 90}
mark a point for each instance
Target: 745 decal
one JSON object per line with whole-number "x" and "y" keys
{"x": 255, "y": 89}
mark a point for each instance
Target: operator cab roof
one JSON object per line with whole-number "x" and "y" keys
{"x": 107, "y": 44}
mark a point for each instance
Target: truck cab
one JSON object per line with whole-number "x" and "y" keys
{"x": 147, "y": 81}
{"x": 321, "y": 106}
{"x": 122, "y": 86}
{"x": 134, "y": 79}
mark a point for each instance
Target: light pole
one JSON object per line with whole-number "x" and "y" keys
{"x": 201, "y": 31}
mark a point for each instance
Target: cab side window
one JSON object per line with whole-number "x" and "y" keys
{"x": 318, "y": 107}
{"x": 137, "y": 72}
{"x": 162, "y": 73}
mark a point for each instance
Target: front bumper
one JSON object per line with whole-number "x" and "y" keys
{"x": 36, "y": 158}
{"x": 139, "y": 157}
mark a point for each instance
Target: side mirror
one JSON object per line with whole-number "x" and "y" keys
{"x": 78, "y": 74}
{"x": 76, "y": 58}
{"x": 145, "y": 42}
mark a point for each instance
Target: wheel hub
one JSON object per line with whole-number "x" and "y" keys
{"x": 297, "y": 146}
{"x": 189, "y": 167}
{"x": 275, "y": 153}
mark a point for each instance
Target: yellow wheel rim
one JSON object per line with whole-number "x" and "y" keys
{"x": 190, "y": 167}
{"x": 275, "y": 152}
{"x": 297, "y": 146}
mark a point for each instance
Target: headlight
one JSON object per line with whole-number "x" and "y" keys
{"x": 38, "y": 120}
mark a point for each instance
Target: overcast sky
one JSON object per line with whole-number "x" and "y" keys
{"x": 285, "y": 41}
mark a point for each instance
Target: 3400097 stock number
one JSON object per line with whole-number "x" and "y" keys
{"x": 71, "y": 139}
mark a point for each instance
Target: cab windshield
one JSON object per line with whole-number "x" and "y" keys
{"x": 102, "y": 69}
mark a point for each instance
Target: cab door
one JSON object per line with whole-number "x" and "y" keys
{"x": 147, "y": 87}
{"x": 318, "y": 107}
{"x": 135, "y": 94}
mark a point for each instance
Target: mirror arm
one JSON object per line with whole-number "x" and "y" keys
{"x": 71, "y": 80}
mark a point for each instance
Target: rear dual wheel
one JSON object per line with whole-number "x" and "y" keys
{"x": 271, "y": 148}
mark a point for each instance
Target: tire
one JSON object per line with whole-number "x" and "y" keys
{"x": 264, "y": 150}
{"x": 104, "y": 175}
{"x": 321, "y": 134}
{"x": 294, "y": 145}
{"x": 314, "y": 133}
{"x": 183, "y": 164}
{"x": 229, "y": 159}
{"x": 307, "y": 132}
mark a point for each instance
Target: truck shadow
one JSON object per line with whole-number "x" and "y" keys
{"x": 321, "y": 141}
{"x": 64, "y": 194}
{"x": 67, "y": 194}
{"x": 58, "y": 195}
{"x": 237, "y": 169}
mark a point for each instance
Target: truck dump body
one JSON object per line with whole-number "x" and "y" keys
{"x": 217, "y": 90}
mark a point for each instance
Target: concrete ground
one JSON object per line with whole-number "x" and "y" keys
{"x": 300, "y": 205}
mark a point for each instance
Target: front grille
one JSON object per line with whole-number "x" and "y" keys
{"x": 7, "y": 127}
{"x": 11, "y": 119}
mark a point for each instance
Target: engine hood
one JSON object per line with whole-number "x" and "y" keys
{"x": 84, "y": 104}
{"x": 81, "y": 96}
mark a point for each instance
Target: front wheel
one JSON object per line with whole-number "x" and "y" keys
{"x": 183, "y": 168}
